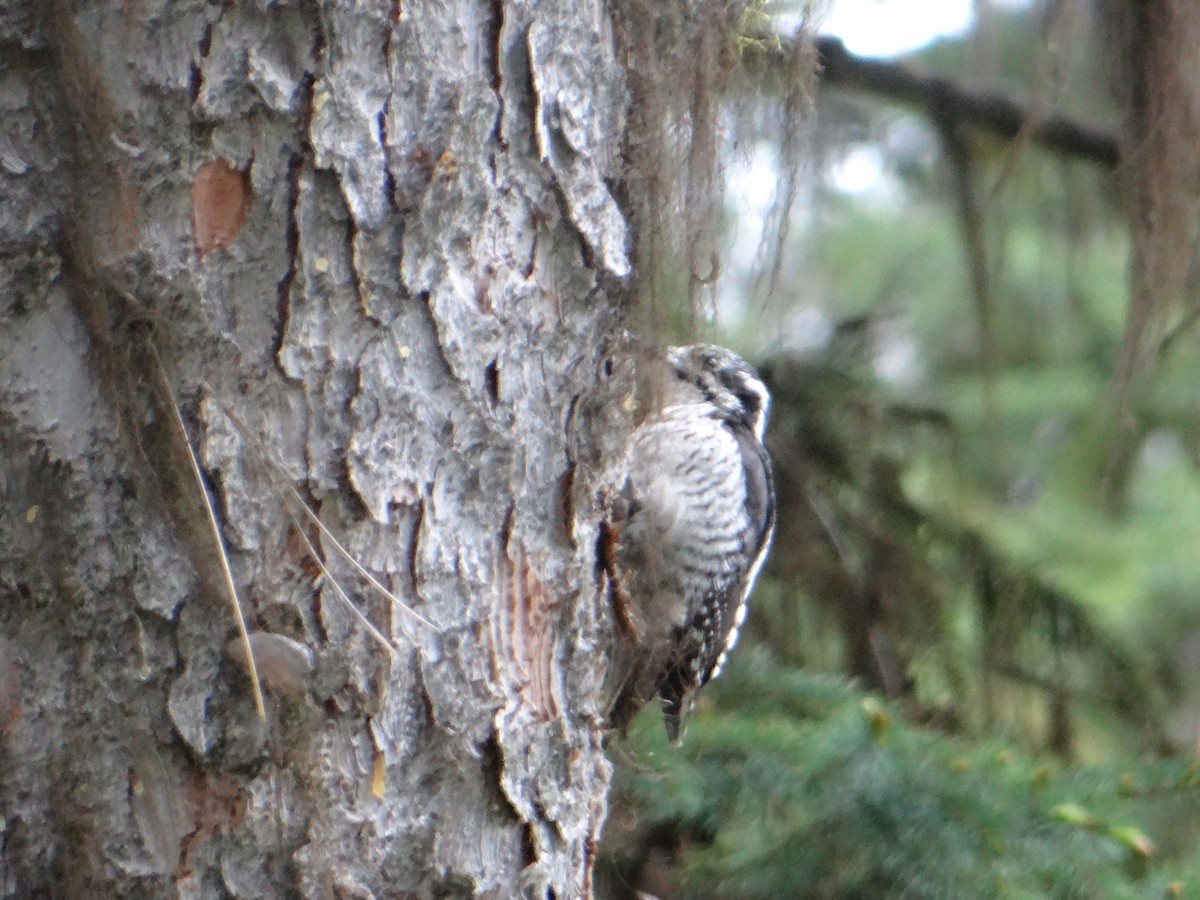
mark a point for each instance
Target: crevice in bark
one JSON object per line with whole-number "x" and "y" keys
{"x": 522, "y": 58}
{"x": 283, "y": 298}
{"x": 491, "y": 760}
{"x": 389, "y": 177}
{"x": 413, "y": 546}
{"x": 491, "y": 381}
{"x": 196, "y": 71}
{"x": 439, "y": 343}
{"x": 491, "y": 757}
{"x": 506, "y": 527}
{"x": 494, "y": 64}
{"x": 528, "y": 845}
{"x": 352, "y": 261}
{"x": 423, "y": 696}
{"x": 566, "y": 502}
{"x": 564, "y": 213}
{"x": 533, "y": 252}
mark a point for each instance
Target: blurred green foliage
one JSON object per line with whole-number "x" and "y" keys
{"x": 959, "y": 536}
{"x": 805, "y": 787}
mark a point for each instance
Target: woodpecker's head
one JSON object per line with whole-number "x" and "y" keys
{"x": 725, "y": 380}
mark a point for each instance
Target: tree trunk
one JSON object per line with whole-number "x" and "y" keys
{"x": 369, "y": 251}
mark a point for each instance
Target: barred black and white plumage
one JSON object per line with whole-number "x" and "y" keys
{"x": 691, "y": 523}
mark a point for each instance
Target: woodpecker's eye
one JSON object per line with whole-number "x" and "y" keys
{"x": 751, "y": 402}
{"x": 734, "y": 382}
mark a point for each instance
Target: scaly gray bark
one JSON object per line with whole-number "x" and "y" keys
{"x": 379, "y": 234}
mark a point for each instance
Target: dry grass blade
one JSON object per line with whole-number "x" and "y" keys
{"x": 358, "y": 567}
{"x": 337, "y": 588}
{"x": 286, "y": 486}
{"x": 222, "y": 556}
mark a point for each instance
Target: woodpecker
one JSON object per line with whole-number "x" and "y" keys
{"x": 689, "y": 519}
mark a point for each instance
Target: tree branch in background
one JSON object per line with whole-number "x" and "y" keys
{"x": 944, "y": 99}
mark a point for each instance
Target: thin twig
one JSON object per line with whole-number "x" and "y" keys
{"x": 938, "y": 95}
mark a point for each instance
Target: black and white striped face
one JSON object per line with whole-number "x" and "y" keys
{"x": 727, "y": 381}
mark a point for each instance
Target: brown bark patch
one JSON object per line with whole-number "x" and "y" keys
{"x": 217, "y": 807}
{"x": 10, "y": 687}
{"x": 220, "y": 198}
{"x": 524, "y": 636}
